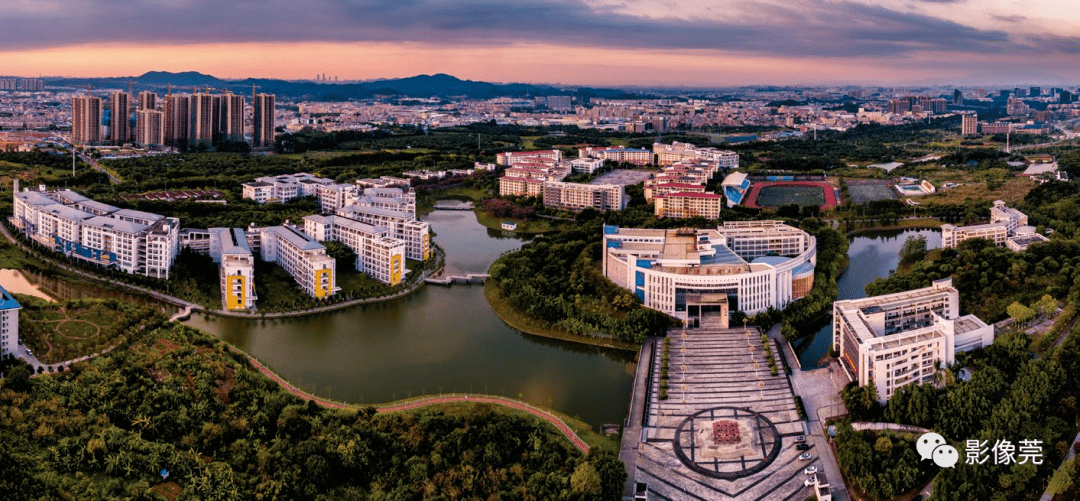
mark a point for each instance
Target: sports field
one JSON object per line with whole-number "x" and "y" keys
{"x": 797, "y": 192}
{"x": 868, "y": 190}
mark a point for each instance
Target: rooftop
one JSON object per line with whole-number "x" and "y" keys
{"x": 295, "y": 238}
{"x": 114, "y": 224}
{"x": 7, "y": 301}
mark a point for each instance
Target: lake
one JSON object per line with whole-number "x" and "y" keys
{"x": 870, "y": 255}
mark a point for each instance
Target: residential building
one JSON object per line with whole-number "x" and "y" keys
{"x": 401, "y": 225}
{"x": 509, "y": 158}
{"x": 619, "y": 154}
{"x": 1004, "y": 222}
{"x": 149, "y": 127}
{"x": 302, "y": 257}
{"x": 9, "y": 325}
{"x": 262, "y": 136}
{"x": 586, "y": 165}
{"x": 667, "y": 154}
{"x": 576, "y": 197}
{"x": 284, "y": 187}
{"x": 389, "y": 198}
{"x": 86, "y": 115}
{"x": 652, "y": 190}
{"x": 334, "y": 196}
{"x": 147, "y": 101}
{"x": 120, "y": 118}
{"x": 378, "y": 254}
{"x": 177, "y": 120}
{"x": 969, "y": 124}
{"x": 205, "y": 119}
{"x": 903, "y": 338}
{"x": 132, "y": 241}
{"x": 520, "y": 186}
{"x": 686, "y": 204}
{"x": 232, "y": 117}
{"x": 748, "y": 266}
{"x": 229, "y": 248}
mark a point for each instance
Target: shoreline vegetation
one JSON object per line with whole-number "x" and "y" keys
{"x": 521, "y": 321}
{"x": 204, "y": 408}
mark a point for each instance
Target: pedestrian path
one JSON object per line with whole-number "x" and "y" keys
{"x": 430, "y": 400}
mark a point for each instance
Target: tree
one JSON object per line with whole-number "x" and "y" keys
{"x": 1020, "y": 313}
{"x": 914, "y": 249}
{"x": 883, "y": 446}
{"x": 585, "y": 480}
{"x": 18, "y": 378}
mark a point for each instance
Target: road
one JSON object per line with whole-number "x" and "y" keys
{"x": 93, "y": 163}
{"x": 1048, "y": 496}
{"x": 819, "y": 391}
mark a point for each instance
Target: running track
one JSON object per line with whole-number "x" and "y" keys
{"x": 750, "y": 200}
{"x": 432, "y": 400}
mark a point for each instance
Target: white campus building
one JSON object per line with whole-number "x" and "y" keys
{"x": 378, "y": 254}
{"x": 1007, "y": 227}
{"x": 576, "y": 196}
{"x": 902, "y": 338}
{"x": 747, "y": 265}
{"x": 302, "y": 257}
{"x": 129, "y": 240}
{"x": 402, "y": 225}
{"x": 9, "y": 324}
{"x": 229, "y": 248}
{"x": 676, "y": 152}
{"x": 284, "y": 187}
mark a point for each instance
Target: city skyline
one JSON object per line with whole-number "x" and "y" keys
{"x": 577, "y": 42}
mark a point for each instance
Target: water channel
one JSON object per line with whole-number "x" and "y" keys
{"x": 870, "y": 255}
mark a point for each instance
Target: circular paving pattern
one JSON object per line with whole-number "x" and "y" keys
{"x": 726, "y": 442}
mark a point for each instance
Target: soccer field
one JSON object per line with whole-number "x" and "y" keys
{"x": 775, "y": 196}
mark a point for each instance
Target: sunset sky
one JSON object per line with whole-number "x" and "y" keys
{"x": 589, "y": 42}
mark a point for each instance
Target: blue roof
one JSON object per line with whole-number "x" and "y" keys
{"x": 7, "y": 302}
{"x": 803, "y": 269}
{"x": 771, "y": 260}
{"x": 723, "y": 255}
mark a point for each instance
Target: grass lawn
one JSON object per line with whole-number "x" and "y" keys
{"x": 527, "y": 324}
{"x": 975, "y": 186}
{"x": 538, "y": 226}
{"x": 64, "y": 331}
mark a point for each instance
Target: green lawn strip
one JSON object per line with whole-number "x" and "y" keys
{"x": 491, "y": 221}
{"x": 529, "y": 325}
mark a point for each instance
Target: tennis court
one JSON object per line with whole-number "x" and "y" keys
{"x": 869, "y": 190}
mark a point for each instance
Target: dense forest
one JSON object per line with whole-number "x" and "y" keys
{"x": 223, "y": 431}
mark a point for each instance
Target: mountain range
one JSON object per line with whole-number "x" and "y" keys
{"x": 420, "y": 86}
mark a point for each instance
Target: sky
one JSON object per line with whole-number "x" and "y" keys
{"x": 699, "y": 43}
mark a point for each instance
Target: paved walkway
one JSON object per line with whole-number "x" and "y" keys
{"x": 1048, "y": 496}
{"x": 631, "y": 437}
{"x": 429, "y": 400}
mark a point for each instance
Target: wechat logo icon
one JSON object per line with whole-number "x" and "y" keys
{"x": 933, "y": 446}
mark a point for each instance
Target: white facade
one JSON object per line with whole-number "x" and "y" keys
{"x": 675, "y": 152}
{"x": 575, "y": 196}
{"x": 133, "y": 241}
{"x": 415, "y": 233}
{"x": 302, "y": 257}
{"x": 284, "y": 188}
{"x": 586, "y": 165}
{"x": 1003, "y": 226}
{"x": 9, "y": 324}
{"x": 236, "y": 273}
{"x": 378, "y": 255}
{"x": 663, "y": 266}
{"x": 902, "y": 338}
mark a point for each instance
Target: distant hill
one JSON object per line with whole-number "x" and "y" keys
{"x": 420, "y": 86}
